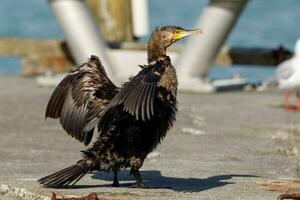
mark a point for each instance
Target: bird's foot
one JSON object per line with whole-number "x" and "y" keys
{"x": 297, "y": 107}
{"x": 116, "y": 184}
{"x": 292, "y": 108}
{"x": 289, "y": 109}
{"x": 138, "y": 178}
{"x": 137, "y": 185}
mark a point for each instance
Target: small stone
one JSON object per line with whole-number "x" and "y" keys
{"x": 192, "y": 131}
{"x": 154, "y": 155}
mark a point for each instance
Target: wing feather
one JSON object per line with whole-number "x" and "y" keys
{"x": 137, "y": 96}
{"x": 153, "y": 90}
{"x": 136, "y": 100}
{"x": 58, "y": 97}
{"x": 143, "y": 102}
{"x": 140, "y": 110}
{"x": 79, "y": 97}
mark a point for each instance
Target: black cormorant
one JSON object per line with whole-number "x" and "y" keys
{"x": 131, "y": 120}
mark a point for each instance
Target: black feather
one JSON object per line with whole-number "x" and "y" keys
{"x": 66, "y": 176}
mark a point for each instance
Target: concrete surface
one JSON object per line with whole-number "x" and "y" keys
{"x": 223, "y": 146}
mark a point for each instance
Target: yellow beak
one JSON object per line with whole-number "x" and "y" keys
{"x": 185, "y": 33}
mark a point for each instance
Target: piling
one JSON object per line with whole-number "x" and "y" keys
{"x": 216, "y": 21}
{"x": 80, "y": 31}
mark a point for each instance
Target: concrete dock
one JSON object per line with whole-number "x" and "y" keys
{"x": 223, "y": 146}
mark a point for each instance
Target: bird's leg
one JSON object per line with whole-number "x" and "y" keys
{"x": 136, "y": 164}
{"x": 298, "y": 100}
{"x": 138, "y": 179}
{"x": 116, "y": 182}
{"x": 286, "y": 101}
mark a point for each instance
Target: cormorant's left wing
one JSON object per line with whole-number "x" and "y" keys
{"x": 136, "y": 97}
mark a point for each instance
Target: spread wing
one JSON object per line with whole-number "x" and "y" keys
{"x": 79, "y": 97}
{"x": 136, "y": 97}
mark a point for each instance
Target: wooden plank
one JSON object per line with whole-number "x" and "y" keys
{"x": 27, "y": 47}
{"x": 38, "y": 55}
{"x": 37, "y": 65}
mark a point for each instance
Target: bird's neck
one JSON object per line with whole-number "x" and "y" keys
{"x": 156, "y": 48}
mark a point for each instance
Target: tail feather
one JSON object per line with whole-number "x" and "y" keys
{"x": 66, "y": 176}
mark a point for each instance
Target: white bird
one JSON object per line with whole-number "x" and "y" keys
{"x": 287, "y": 76}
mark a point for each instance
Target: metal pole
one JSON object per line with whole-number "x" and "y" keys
{"x": 80, "y": 31}
{"x": 216, "y": 21}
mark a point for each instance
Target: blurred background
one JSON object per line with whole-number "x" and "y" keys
{"x": 262, "y": 24}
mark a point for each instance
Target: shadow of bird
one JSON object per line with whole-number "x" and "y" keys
{"x": 153, "y": 179}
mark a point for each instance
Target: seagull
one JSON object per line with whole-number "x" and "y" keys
{"x": 288, "y": 77}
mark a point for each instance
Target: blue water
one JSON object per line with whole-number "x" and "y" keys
{"x": 10, "y": 65}
{"x": 264, "y": 23}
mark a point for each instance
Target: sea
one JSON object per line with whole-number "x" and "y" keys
{"x": 263, "y": 23}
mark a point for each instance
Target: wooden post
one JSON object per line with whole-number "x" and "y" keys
{"x": 113, "y": 18}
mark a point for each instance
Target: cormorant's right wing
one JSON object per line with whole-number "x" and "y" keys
{"x": 79, "y": 97}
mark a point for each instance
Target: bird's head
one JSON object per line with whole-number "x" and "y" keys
{"x": 170, "y": 34}
{"x": 163, "y": 37}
